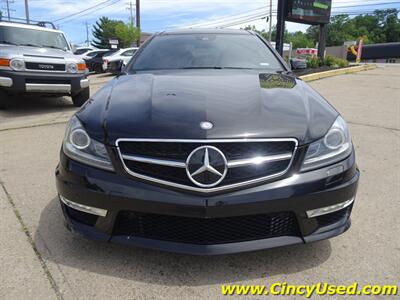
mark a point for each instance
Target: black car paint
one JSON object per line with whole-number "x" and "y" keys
{"x": 170, "y": 104}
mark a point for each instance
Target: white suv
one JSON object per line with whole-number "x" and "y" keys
{"x": 37, "y": 59}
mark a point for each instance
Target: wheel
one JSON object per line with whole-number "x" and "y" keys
{"x": 4, "y": 97}
{"x": 81, "y": 97}
{"x": 98, "y": 69}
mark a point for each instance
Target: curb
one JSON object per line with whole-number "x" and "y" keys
{"x": 320, "y": 75}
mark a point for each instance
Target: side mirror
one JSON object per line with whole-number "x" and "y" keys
{"x": 73, "y": 48}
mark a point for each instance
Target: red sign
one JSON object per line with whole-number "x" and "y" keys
{"x": 306, "y": 51}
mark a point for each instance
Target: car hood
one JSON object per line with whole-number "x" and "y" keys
{"x": 240, "y": 104}
{"x": 26, "y": 51}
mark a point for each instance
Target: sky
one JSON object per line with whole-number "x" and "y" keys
{"x": 158, "y": 15}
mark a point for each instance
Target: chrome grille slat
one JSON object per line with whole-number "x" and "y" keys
{"x": 231, "y": 164}
{"x": 168, "y": 163}
{"x": 258, "y": 160}
{"x": 157, "y": 167}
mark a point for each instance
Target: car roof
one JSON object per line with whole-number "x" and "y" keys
{"x": 27, "y": 26}
{"x": 119, "y": 51}
{"x": 205, "y": 31}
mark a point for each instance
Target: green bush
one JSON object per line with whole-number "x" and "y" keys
{"x": 335, "y": 62}
{"x": 313, "y": 62}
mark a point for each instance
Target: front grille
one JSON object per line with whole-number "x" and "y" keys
{"x": 44, "y": 66}
{"x": 180, "y": 151}
{"x": 146, "y": 159}
{"x": 206, "y": 231}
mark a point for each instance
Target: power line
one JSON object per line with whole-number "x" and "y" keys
{"x": 90, "y": 12}
{"x": 78, "y": 13}
{"x": 220, "y": 22}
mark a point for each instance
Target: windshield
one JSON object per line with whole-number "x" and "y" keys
{"x": 192, "y": 51}
{"x": 31, "y": 37}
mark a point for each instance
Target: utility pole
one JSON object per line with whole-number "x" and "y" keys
{"x": 87, "y": 33}
{"x": 27, "y": 11}
{"x": 322, "y": 41}
{"x": 280, "y": 26}
{"x": 270, "y": 20}
{"x": 138, "y": 20}
{"x": 8, "y": 10}
{"x": 130, "y": 8}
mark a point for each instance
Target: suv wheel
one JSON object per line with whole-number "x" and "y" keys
{"x": 4, "y": 97}
{"x": 98, "y": 69}
{"x": 80, "y": 98}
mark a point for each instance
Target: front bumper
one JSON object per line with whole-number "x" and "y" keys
{"x": 43, "y": 82}
{"x": 297, "y": 194}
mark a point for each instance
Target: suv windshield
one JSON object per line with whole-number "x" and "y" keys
{"x": 31, "y": 37}
{"x": 192, "y": 51}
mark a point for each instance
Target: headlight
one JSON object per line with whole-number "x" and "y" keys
{"x": 79, "y": 146}
{"x": 72, "y": 68}
{"x": 17, "y": 64}
{"x": 333, "y": 147}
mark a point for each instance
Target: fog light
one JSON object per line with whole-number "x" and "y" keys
{"x": 328, "y": 209}
{"x": 87, "y": 209}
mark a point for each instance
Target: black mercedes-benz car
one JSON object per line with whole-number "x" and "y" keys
{"x": 207, "y": 144}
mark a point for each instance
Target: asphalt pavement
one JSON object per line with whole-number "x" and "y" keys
{"x": 40, "y": 259}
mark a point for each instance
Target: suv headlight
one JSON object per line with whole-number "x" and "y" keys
{"x": 72, "y": 68}
{"x": 17, "y": 64}
{"x": 334, "y": 146}
{"x": 79, "y": 146}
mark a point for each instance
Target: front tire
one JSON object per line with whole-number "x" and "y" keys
{"x": 98, "y": 69}
{"x": 4, "y": 98}
{"x": 81, "y": 97}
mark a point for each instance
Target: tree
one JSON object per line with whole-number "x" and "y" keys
{"x": 126, "y": 34}
{"x": 382, "y": 26}
{"x": 106, "y": 29}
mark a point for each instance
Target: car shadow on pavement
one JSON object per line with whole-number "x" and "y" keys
{"x": 17, "y": 106}
{"x": 60, "y": 246}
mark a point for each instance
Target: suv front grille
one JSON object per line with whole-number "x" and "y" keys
{"x": 247, "y": 161}
{"x": 206, "y": 231}
{"x": 49, "y": 67}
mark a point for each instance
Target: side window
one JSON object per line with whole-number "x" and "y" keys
{"x": 128, "y": 53}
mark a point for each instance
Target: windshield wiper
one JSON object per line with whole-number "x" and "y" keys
{"x": 9, "y": 43}
{"x": 284, "y": 72}
{"x": 194, "y": 68}
{"x": 29, "y": 45}
{"x": 219, "y": 68}
{"x": 53, "y": 47}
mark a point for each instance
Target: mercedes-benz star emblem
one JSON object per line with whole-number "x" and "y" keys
{"x": 206, "y": 166}
{"x": 206, "y": 125}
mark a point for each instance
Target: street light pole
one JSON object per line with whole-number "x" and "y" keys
{"x": 27, "y": 11}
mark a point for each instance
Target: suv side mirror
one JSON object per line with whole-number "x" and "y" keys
{"x": 73, "y": 48}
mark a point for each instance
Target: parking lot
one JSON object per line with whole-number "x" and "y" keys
{"x": 38, "y": 256}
